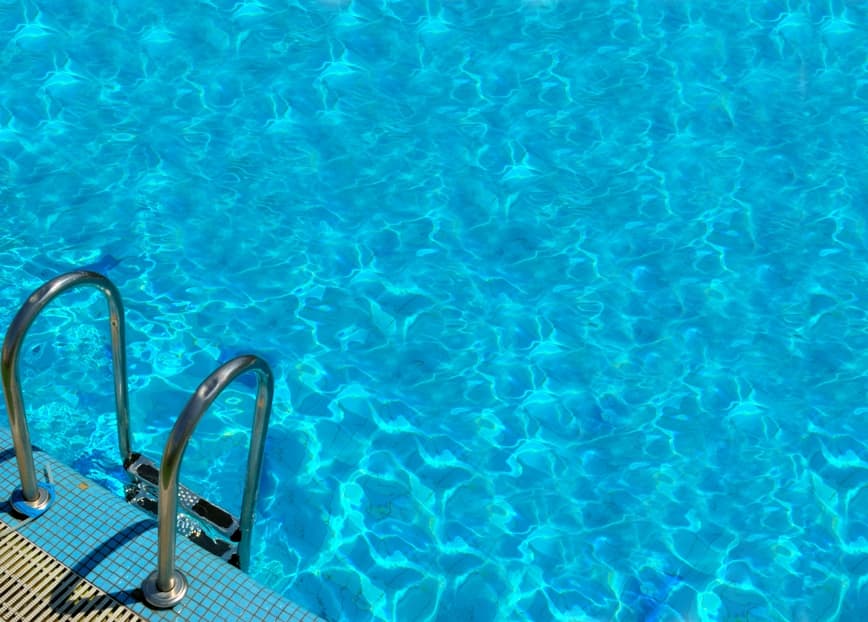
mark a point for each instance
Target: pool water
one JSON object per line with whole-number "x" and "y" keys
{"x": 566, "y": 301}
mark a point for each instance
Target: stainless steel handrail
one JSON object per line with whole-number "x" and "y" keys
{"x": 166, "y": 586}
{"x": 34, "y": 496}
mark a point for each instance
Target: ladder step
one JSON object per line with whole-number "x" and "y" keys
{"x": 143, "y": 492}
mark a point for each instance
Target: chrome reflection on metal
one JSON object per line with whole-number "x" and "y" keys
{"x": 173, "y": 453}
{"x": 31, "y": 308}
{"x": 35, "y": 507}
{"x": 164, "y": 599}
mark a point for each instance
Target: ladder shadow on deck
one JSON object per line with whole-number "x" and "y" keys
{"x": 34, "y": 585}
{"x": 102, "y": 552}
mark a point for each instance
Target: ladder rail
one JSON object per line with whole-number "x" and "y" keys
{"x": 166, "y": 586}
{"x": 35, "y": 497}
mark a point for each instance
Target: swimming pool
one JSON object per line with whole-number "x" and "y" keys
{"x": 564, "y": 300}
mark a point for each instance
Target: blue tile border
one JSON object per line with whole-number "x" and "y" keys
{"x": 114, "y": 546}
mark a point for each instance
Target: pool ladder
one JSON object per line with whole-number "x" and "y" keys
{"x": 166, "y": 586}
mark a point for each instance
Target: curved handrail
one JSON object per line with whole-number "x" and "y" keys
{"x": 166, "y": 586}
{"x": 35, "y": 497}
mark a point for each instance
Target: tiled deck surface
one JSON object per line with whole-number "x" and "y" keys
{"x": 114, "y": 546}
{"x": 35, "y": 587}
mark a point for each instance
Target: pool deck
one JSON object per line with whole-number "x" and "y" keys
{"x": 113, "y": 545}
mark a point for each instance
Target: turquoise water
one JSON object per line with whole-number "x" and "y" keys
{"x": 566, "y": 300}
